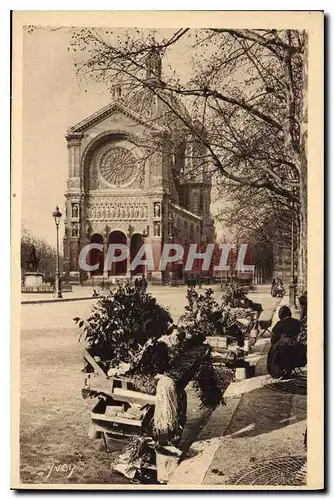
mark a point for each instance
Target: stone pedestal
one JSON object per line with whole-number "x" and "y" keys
{"x": 157, "y": 277}
{"x": 74, "y": 277}
{"x": 33, "y": 280}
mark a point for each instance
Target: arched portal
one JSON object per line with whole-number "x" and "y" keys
{"x": 117, "y": 268}
{"x": 96, "y": 256}
{"x": 192, "y": 234}
{"x": 136, "y": 242}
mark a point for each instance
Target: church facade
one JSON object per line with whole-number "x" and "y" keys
{"x": 135, "y": 175}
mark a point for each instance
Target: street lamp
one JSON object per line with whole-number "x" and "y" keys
{"x": 292, "y": 286}
{"x": 57, "y": 216}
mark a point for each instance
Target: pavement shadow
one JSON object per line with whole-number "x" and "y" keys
{"x": 261, "y": 366}
{"x": 297, "y": 385}
{"x": 263, "y": 410}
{"x": 192, "y": 428}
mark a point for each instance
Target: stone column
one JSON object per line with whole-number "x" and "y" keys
{"x": 74, "y": 144}
{"x": 105, "y": 251}
{"x": 128, "y": 261}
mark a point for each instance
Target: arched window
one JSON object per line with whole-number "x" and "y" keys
{"x": 95, "y": 256}
{"x": 136, "y": 242}
{"x": 195, "y": 203}
{"x": 117, "y": 268}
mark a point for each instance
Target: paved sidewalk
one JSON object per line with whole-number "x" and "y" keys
{"x": 86, "y": 292}
{"x": 268, "y": 425}
{"x": 257, "y": 438}
{"x": 77, "y": 293}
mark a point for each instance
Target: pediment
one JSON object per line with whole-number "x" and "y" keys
{"x": 114, "y": 108}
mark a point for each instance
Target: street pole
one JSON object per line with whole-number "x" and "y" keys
{"x": 292, "y": 286}
{"x": 58, "y": 289}
{"x": 293, "y": 280}
{"x": 57, "y": 216}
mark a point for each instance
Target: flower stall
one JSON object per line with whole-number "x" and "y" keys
{"x": 137, "y": 365}
{"x": 229, "y": 330}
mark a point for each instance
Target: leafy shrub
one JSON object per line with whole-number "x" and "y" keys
{"x": 129, "y": 326}
{"x": 210, "y": 382}
{"x": 122, "y": 322}
{"x": 233, "y": 294}
{"x": 204, "y": 316}
{"x": 205, "y": 384}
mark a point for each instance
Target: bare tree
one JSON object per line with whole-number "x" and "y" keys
{"x": 45, "y": 253}
{"x": 246, "y": 95}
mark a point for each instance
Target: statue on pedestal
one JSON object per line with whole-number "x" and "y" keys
{"x": 130, "y": 231}
{"x": 156, "y": 229}
{"x": 88, "y": 230}
{"x": 106, "y": 230}
{"x": 75, "y": 230}
{"x": 156, "y": 209}
{"x": 75, "y": 210}
{"x": 33, "y": 279}
{"x": 33, "y": 260}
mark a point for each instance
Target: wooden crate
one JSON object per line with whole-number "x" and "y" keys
{"x": 217, "y": 342}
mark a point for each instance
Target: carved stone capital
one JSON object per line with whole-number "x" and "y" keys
{"x": 73, "y": 138}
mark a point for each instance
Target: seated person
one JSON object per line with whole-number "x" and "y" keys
{"x": 234, "y": 332}
{"x": 286, "y": 328}
{"x": 284, "y": 354}
{"x": 254, "y": 306}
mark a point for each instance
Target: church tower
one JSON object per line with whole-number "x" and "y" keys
{"x": 153, "y": 66}
{"x": 134, "y": 177}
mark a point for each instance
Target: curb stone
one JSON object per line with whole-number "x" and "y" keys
{"x": 192, "y": 470}
{"x": 56, "y": 301}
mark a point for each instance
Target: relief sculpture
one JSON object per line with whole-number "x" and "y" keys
{"x": 118, "y": 211}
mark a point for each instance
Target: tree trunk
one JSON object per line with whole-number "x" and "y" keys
{"x": 302, "y": 254}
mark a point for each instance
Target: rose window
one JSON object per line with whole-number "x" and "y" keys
{"x": 117, "y": 165}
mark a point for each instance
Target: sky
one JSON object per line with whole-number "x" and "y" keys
{"x": 53, "y": 101}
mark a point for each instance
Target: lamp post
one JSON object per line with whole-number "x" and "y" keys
{"x": 57, "y": 216}
{"x": 171, "y": 234}
{"x": 292, "y": 286}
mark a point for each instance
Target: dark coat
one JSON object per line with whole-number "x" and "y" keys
{"x": 285, "y": 354}
{"x": 287, "y": 328}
